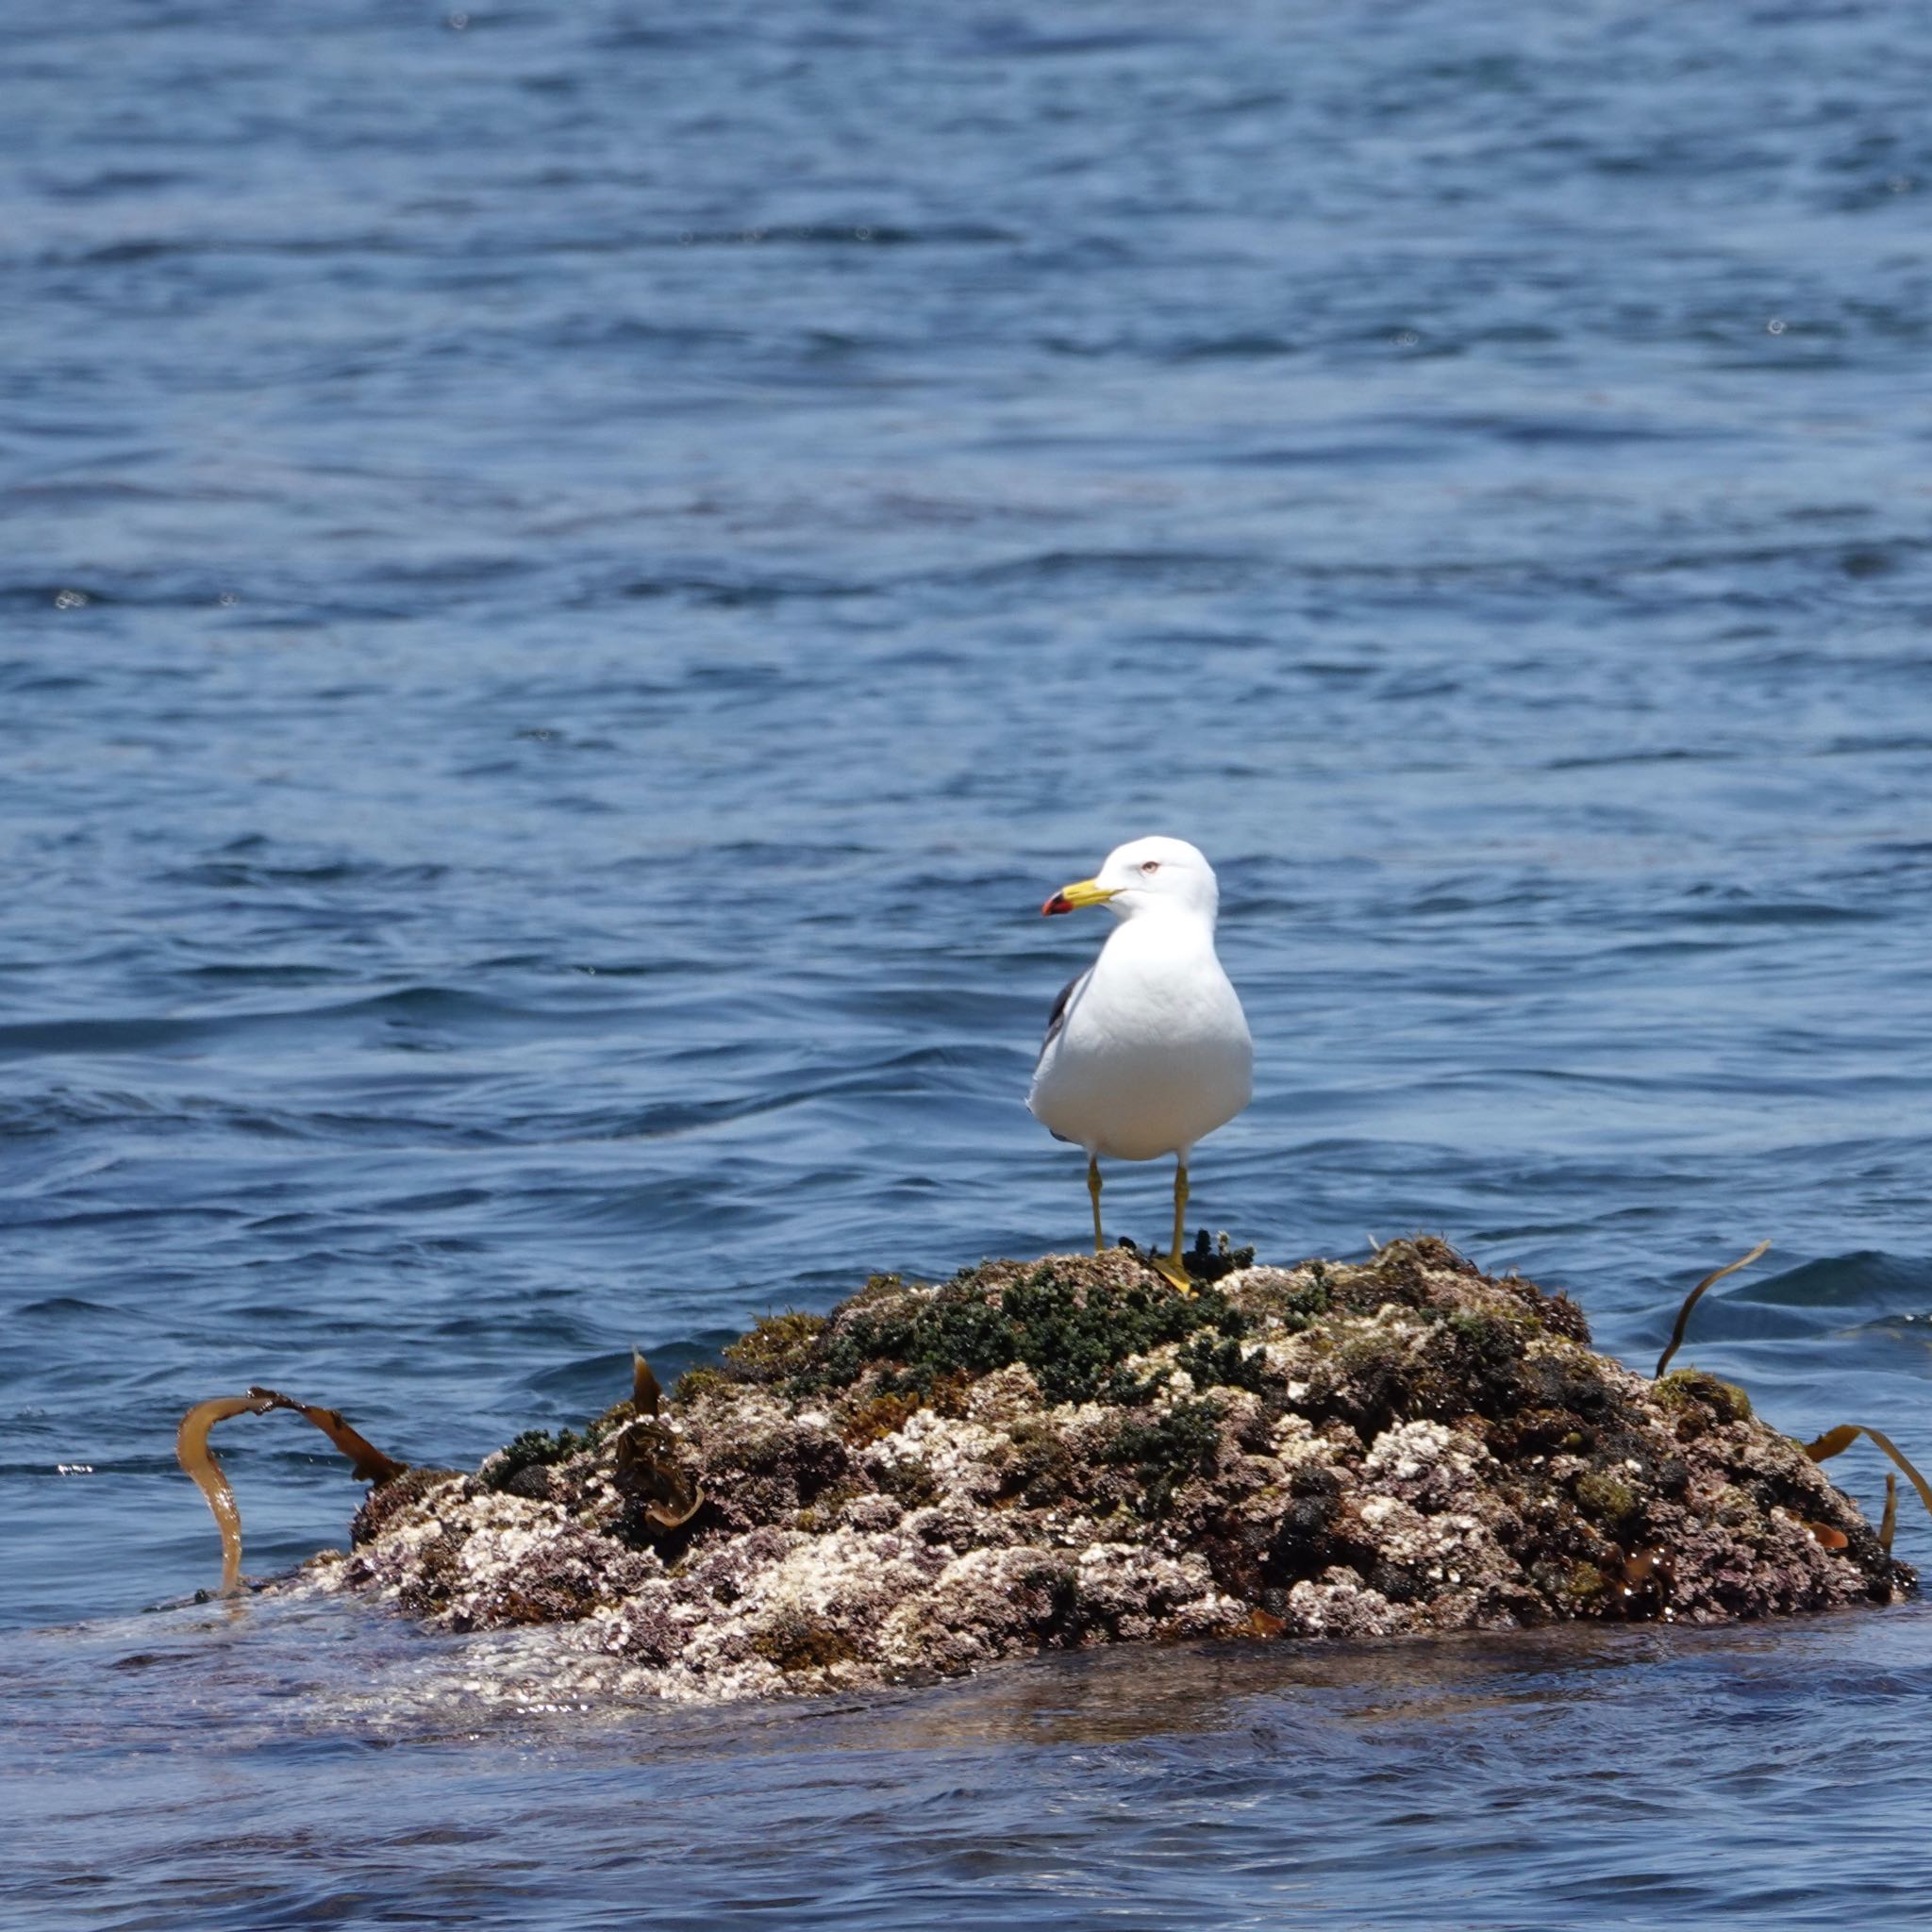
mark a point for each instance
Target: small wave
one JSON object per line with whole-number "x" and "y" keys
{"x": 1867, "y": 1281}
{"x": 231, "y": 874}
{"x": 1109, "y": 566}
{"x": 101, "y": 1036}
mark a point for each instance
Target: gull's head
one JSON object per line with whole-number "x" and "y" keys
{"x": 1146, "y": 875}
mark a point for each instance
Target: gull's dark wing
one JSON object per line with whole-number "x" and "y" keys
{"x": 1063, "y": 999}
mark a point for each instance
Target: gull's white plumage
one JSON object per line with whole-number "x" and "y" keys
{"x": 1148, "y": 1051}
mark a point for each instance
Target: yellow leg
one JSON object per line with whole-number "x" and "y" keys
{"x": 1093, "y": 1190}
{"x": 1174, "y": 1267}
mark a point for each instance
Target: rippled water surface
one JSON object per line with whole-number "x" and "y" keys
{"x": 573, "y": 575}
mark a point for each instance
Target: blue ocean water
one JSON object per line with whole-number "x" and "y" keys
{"x": 573, "y": 576}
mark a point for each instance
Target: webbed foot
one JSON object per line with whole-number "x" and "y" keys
{"x": 1171, "y": 1271}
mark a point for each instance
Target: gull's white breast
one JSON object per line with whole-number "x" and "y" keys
{"x": 1153, "y": 1052}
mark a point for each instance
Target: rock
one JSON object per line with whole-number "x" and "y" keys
{"x": 1046, "y": 1455}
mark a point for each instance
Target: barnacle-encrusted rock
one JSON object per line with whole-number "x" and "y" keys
{"x": 1046, "y": 1455}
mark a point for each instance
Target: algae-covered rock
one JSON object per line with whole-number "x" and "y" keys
{"x": 1047, "y": 1454}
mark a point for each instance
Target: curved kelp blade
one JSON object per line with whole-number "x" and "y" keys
{"x": 1888, "y": 1524}
{"x": 1836, "y": 1441}
{"x": 646, "y": 1398}
{"x": 368, "y": 1463}
{"x": 192, "y": 1453}
{"x": 1691, "y": 1301}
{"x": 197, "y": 1459}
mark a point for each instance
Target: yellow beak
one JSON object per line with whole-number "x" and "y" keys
{"x": 1082, "y": 892}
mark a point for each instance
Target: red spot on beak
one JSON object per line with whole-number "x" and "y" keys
{"x": 1059, "y": 903}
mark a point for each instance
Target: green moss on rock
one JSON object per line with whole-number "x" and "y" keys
{"x": 1725, "y": 1400}
{"x": 775, "y": 1347}
{"x": 1167, "y": 1448}
{"x": 1605, "y": 1496}
{"x": 695, "y": 1384}
{"x": 536, "y": 1449}
{"x": 1073, "y": 1330}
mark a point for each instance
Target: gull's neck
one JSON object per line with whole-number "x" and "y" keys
{"x": 1165, "y": 925}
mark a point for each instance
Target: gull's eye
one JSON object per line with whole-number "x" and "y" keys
{"x": 1150, "y": 865}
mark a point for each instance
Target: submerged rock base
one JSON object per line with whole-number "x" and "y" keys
{"x": 1046, "y": 1455}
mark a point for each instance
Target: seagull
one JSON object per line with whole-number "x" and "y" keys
{"x": 1147, "y": 1051}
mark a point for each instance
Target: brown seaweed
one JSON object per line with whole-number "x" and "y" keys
{"x": 646, "y": 1473}
{"x": 1691, "y": 1301}
{"x": 368, "y": 1464}
{"x": 646, "y": 1398}
{"x": 1836, "y": 1441}
{"x": 1888, "y": 1524}
{"x": 197, "y": 1459}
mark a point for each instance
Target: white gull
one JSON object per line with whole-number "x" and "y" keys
{"x": 1147, "y": 1051}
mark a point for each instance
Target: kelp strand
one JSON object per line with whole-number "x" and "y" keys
{"x": 367, "y": 1463}
{"x": 192, "y": 1453}
{"x": 1836, "y": 1441}
{"x": 646, "y": 1398}
{"x": 1691, "y": 1301}
{"x": 197, "y": 1459}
